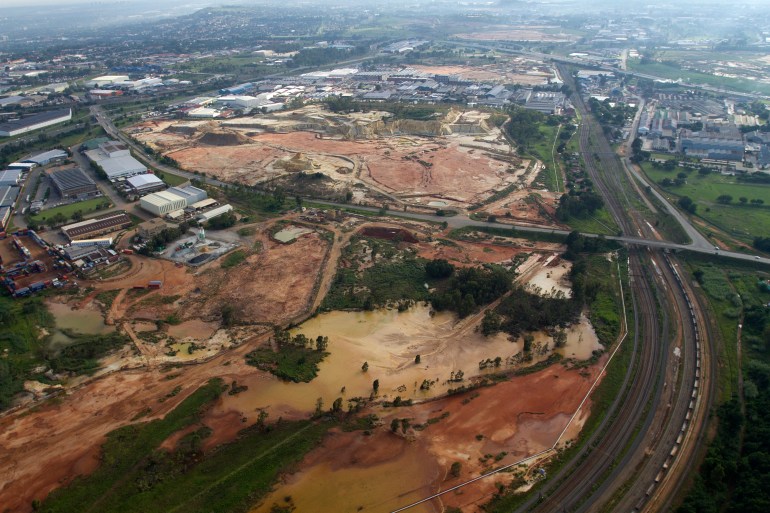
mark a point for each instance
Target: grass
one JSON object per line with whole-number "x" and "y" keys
{"x": 742, "y": 221}
{"x": 291, "y": 362}
{"x": 137, "y": 476}
{"x": 107, "y": 297}
{"x": 86, "y": 207}
{"x": 171, "y": 179}
{"x": 542, "y": 150}
{"x": 600, "y": 223}
{"x": 20, "y": 344}
{"x": 233, "y": 259}
{"x": 395, "y": 276}
{"x": 663, "y": 70}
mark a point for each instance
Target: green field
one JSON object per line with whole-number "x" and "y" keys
{"x": 600, "y": 223}
{"x": 85, "y": 207}
{"x": 667, "y": 71}
{"x": 741, "y": 221}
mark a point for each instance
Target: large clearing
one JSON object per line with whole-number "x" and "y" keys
{"x": 455, "y": 161}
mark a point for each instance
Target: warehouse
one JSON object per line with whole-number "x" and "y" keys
{"x": 190, "y": 194}
{"x": 106, "y": 80}
{"x": 144, "y": 184}
{"x": 211, "y": 214}
{"x": 162, "y": 202}
{"x": 74, "y": 184}
{"x": 42, "y": 159}
{"x": 92, "y": 228}
{"x": 8, "y": 195}
{"x": 114, "y": 158}
{"x": 10, "y": 177}
{"x": 30, "y": 123}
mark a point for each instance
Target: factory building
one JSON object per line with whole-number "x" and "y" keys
{"x": 151, "y": 228}
{"x": 10, "y": 177}
{"x": 106, "y": 80}
{"x": 115, "y": 160}
{"x": 74, "y": 183}
{"x": 45, "y": 158}
{"x": 215, "y": 212}
{"x": 162, "y": 202}
{"x": 91, "y": 228}
{"x": 190, "y": 194}
{"x": 30, "y": 123}
{"x": 8, "y": 195}
{"x": 144, "y": 184}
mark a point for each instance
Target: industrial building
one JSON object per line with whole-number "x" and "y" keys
{"x": 96, "y": 226}
{"x": 30, "y": 123}
{"x": 45, "y": 158}
{"x": 115, "y": 159}
{"x": 106, "y": 80}
{"x": 713, "y": 144}
{"x": 162, "y": 202}
{"x": 8, "y": 195}
{"x": 10, "y": 177}
{"x": 74, "y": 184}
{"x": 144, "y": 184}
{"x": 215, "y": 212}
{"x": 172, "y": 199}
{"x": 190, "y": 194}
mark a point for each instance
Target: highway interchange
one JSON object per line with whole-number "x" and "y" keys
{"x": 640, "y": 454}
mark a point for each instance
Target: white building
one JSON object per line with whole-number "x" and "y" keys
{"x": 142, "y": 184}
{"x": 116, "y": 160}
{"x": 162, "y": 202}
{"x": 215, "y": 212}
{"x": 106, "y": 80}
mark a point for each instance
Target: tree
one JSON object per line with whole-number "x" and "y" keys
{"x": 687, "y": 204}
{"x": 376, "y": 385}
{"x": 404, "y": 425}
{"x": 321, "y": 343}
{"x": 724, "y": 199}
{"x": 743, "y": 200}
{"x": 365, "y": 366}
{"x": 417, "y": 359}
{"x": 337, "y": 405}
{"x": 439, "y": 268}
{"x": 560, "y": 338}
{"x": 319, "y": 407}
{"x": 528, "y": 339}
{"x": 455, "y": 469}
{"x": 394, "y": 425}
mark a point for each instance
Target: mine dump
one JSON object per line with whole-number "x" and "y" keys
{"x": 457, "y": 161}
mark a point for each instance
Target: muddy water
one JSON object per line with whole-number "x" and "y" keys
{"x": 552, "y": 279}
{"x": 378, "y": 489}
{"x": 197, "y": 329}
{"x": 86, "y": 321}
{"x": 388, "y": 341}
{"x": 581, "y": 340}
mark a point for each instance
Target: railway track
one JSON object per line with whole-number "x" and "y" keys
{"x": 630, "y": 458}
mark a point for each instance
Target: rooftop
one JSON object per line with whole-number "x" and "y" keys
{"x": 66, "y": 179}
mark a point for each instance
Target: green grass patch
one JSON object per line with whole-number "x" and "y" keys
{"x": 741, "y": 221}
{"x": 19, "y": 342}
{"x": 664, "y": 70}
{"x": 85, "y": 207}
{"x": 233, "y": 259}
{"x": 137, "y": 476}
{"x": 601, "y": 222}
{"x": 107, "y": 297}
{"x": 291, "y": 362}
{"x": 395, "y": 276}
{"x": 171, "y": 179}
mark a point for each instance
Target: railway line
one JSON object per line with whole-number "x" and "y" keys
{"x": 630, "y": 464}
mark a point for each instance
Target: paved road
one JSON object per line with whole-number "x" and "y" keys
{"x": 459, "y": 221}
